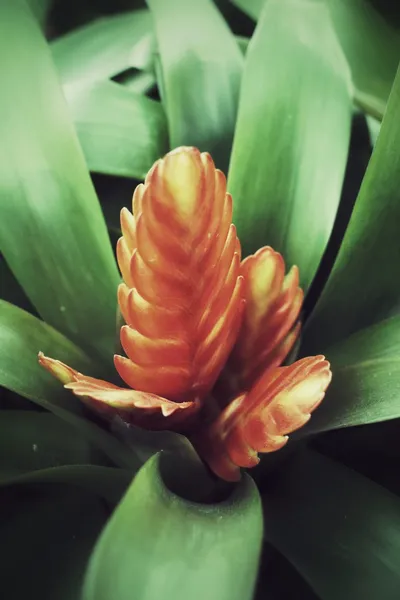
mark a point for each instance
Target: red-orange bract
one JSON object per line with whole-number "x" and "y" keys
{"x": 205, "y": 332}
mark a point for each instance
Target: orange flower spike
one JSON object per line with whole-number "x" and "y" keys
{"x": 279, "y": 403}
{"x": 182, "y": 299}
{"x": 273, "y": 304}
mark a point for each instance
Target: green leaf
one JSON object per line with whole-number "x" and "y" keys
{"x": 292, "y": 136}
{"x": 107, "y": 482}
{"x": 121, "y": 133}
{"x": 21, "y": 337}
{"x": 372, "y": 47}
{"x": 363, "y": 287}
{"x": 201, "y": 75}
{"x": 30, "y": 440}
{"x": 105, "y": 48}
{"x": 46, "y": 540}
{"x": 370, "y": 43}
{"x": 158, "y": 545}
{"x": 339, "y": 529}
{"x": 366, "y": 380}
{"x": 52, "y": 231}
{"x": 40, "y": 9}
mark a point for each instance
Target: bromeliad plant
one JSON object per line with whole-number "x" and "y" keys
{"x": 205, "y": 334}
{"x": 103, "y": 493}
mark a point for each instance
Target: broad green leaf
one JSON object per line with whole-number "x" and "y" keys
{"x": 339, "y": 529}
{"x": 47, "y": 534}
{"x": 105, "y": 48}
{"x": 158, "y": 545}
{"x": 365, "y": 386}
{"x": 34, "y": 440}
{"x": 52, "y": 231}
{"x": 121, "y": 133}
{"x": 363, "y": 287}
{"x": 372, "y": 47}
{"x": 21, "y": 337}
{"x": 370, "y": 42}
{"x": 292, "y": 136}
{"x": 201, "y": 75}
{"x": 108, "y": 482}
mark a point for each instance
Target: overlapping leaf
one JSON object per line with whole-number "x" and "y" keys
{"x": 363, "y": 287}
{"x": 105, "y": 48}
{"x": 340, "y": 530}
{"x": 366, "y": 380}
{"x": 121, "y": 133}
{"x": 158, "y": 545}
{"x": 52, "y": 232}
{"x": 21, "y": 337}
{"x": 200, "y": 75}
{"x": 291, "y": 140}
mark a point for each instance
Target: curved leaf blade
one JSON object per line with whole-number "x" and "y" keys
{"x": 366, "y": 380}
{"x": 21, "y": 337}
{"x": 363, "y": 287}
{"x": 200, "y": 75}
{"x": 159, "y": 545}
{"x": 370, "y": 42}
{"x": 32, "y": 440}
{"x": 105, "y": 48}
{"x": 107, "y": 482}
{"x": 295, "y": 96}
{"x": 340, "y": 530}
{"x": 121, "y": 133}
{"x": 52, "y": 231}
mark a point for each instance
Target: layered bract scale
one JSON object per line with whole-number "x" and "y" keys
{"x": 182, "y": 299}
{"x": 205, "y": 334}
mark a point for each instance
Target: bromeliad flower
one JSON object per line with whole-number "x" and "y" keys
{"x": 206, "y": 333}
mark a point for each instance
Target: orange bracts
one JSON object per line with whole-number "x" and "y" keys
{"x": 205, "y": 333}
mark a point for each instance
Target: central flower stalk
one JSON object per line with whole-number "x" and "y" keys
{"x": 205, "y": 333}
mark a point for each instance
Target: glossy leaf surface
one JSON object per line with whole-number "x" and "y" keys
{"x": 121, "y": 133}
{"x": 366, "y": 380}
{"x": 159, "y": 545}
{"x": 295, "y": 96}
{"x": 201, "y": 75}
{"x": 363, "y": 287}
{"x": 105, "y": 48}
{"x": 21, "y": 337}
{"x": 51, "y": 221}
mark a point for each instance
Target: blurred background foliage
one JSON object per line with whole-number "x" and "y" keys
{"x": 137, "y": 83}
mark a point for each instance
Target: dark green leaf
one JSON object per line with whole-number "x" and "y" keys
{"x": 157, "y": 545}
{"x": 363, "y": 287}
{"x": 46, "y": 539}
{"x": 30, "y": 440}
{"x": 370, "y": 42}
{"x": 52, "y": 232}
{"x": 291, "y": 140}
{"x": 105, "y": 48}
{"x": 366, "y": 380}
{"x": 21, "y": 337}
{"x": 340, "y": 530}
{"x": 107, "y": 482}
{"x": 121, "y": 133}
{"x": 201, "y": 75}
